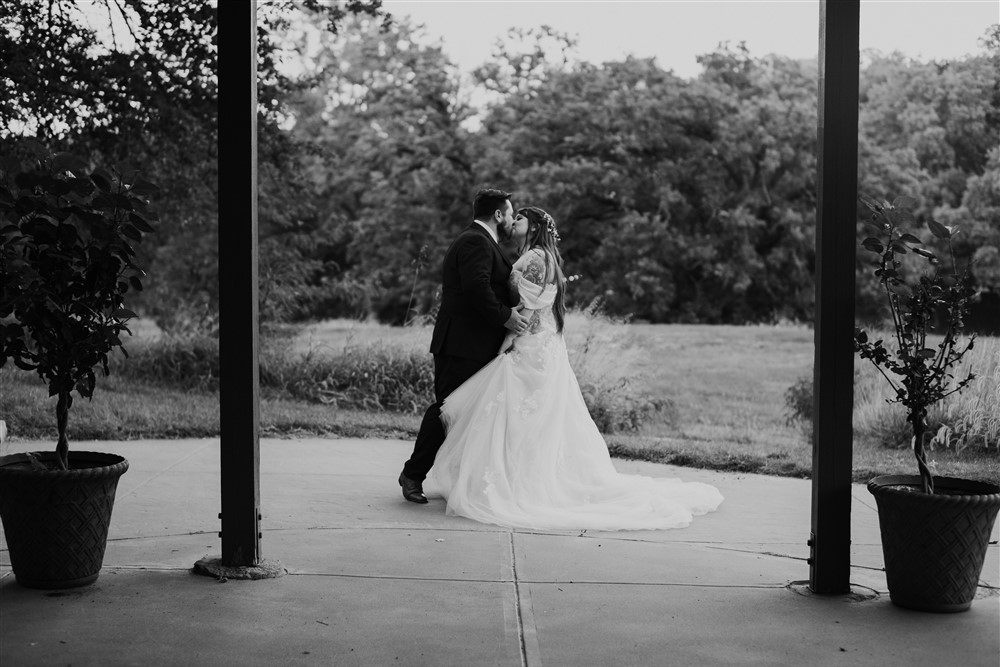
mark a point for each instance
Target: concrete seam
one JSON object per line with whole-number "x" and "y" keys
{"x": 172, "y": 465}
{"x": 156, "y": 537}
{"x": 530, "y": 653}
{"x": 511, "y": 640}
{"x": 854, "y": 566}
{"x": 523, "y": 608}
{"x": 517, "y": 600}
{"x": 521, "y": 604}
{"x": 665, "y": 584}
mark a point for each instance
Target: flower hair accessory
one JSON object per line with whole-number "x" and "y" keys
{"x": 550, "y": 226}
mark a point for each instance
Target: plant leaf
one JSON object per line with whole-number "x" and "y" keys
{"x": 24, "y": 365}
{"x": 26, "y": 180}
{"x": 910, "y": 238}
{"x": 68, "y": 162}
{"x": 36, "y": 465}
{"x": 903, "y": 216}
{"x": 938, "y": 230}
{"x": 143, "y": 187}
{"x": 102, "y": 179}
{"x": 872, "y": 205}
{"x": 140, "y": 223}
{"x": 873, "y": 244}
{"x": 131, "y": 232}
{"x": 905, "y": 202}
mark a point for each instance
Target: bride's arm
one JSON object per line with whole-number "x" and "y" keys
{"x": 529, "y": 276}
{"x": 533, "y": 268}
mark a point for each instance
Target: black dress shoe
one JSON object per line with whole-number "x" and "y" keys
{"x": 412, "y": 491}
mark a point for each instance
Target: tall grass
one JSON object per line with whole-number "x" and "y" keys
{"x": 364, "y": 366}
{"x": 606, "y": 355}
{"x": 362, "y": 375}
{"x": 369, "y": 366}
{"x": 972, "y": 418}
{"x": 967, "y": 419}
{"x": 702, "y": 395}
{"x": 185, "y": 362}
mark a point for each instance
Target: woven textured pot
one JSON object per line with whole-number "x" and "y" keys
{"x": 934, "y": 545}
{"x": 56, "y": 521}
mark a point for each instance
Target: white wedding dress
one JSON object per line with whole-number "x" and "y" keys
{"x": 522, "y": 450}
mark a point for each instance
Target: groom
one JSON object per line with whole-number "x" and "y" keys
{"x": 475, "y": 315}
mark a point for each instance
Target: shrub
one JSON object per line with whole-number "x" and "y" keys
{"x": 183, "y": 362}
{"x": 373, "y": 376}
{"x": 799, "y": 401}
{"x": 616, "y": 410}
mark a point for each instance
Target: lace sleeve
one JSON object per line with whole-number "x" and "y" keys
{"x": 533, "y": 268}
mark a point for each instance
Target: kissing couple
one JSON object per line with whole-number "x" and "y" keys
{"x": 509, "y": 440}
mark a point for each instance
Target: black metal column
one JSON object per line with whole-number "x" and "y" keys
{"x": 833, "y": 379}
{"x": 238, "y": 394}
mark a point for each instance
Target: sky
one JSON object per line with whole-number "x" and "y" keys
{"x": 675, "y": 32}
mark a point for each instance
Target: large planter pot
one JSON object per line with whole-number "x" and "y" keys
{"x": 934, "y": 545}
{"x": 56, "y": 521}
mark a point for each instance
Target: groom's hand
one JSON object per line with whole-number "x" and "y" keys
{"x": 516, "y": 322}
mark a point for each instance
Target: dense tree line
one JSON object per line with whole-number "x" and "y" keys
{"x": 678, "y": 200}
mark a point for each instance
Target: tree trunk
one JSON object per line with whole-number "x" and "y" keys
{"x": 62, "y": 417}
{"x": 918, "y": 419}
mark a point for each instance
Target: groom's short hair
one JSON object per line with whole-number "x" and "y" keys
{"x": 487, "y": 201}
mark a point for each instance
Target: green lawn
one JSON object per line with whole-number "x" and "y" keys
{"x": 725, "y": 386}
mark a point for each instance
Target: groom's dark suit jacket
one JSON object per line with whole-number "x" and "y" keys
{"x": 475, "y": 298}
{"x": 475, "y": 304}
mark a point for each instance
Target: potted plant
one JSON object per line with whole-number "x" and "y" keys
{"x": 935, "y": 530}
{"x": 66, "y": 263}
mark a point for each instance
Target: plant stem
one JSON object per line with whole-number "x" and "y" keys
{"x": 413, "y": 290}
{"x": 891, "y": 382}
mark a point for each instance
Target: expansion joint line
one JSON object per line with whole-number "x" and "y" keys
{"x": 517, "y": 600}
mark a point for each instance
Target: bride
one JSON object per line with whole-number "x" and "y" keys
{"x": 521, "y": 448}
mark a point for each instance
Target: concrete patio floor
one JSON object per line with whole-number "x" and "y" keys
{"x": 374, "y": 580}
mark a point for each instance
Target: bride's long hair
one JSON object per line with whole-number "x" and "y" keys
{"x": 542, "y": 234}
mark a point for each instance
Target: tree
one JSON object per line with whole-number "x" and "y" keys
{"x": 701, "y": 186}
{"x": 926, "y": 130}
{"x": 387, "y": 170}
{"x": 978, "y": 218}
{"x": 145, "y": 95}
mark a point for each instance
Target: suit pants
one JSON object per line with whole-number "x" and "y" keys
{"x": 449, "y": 373}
